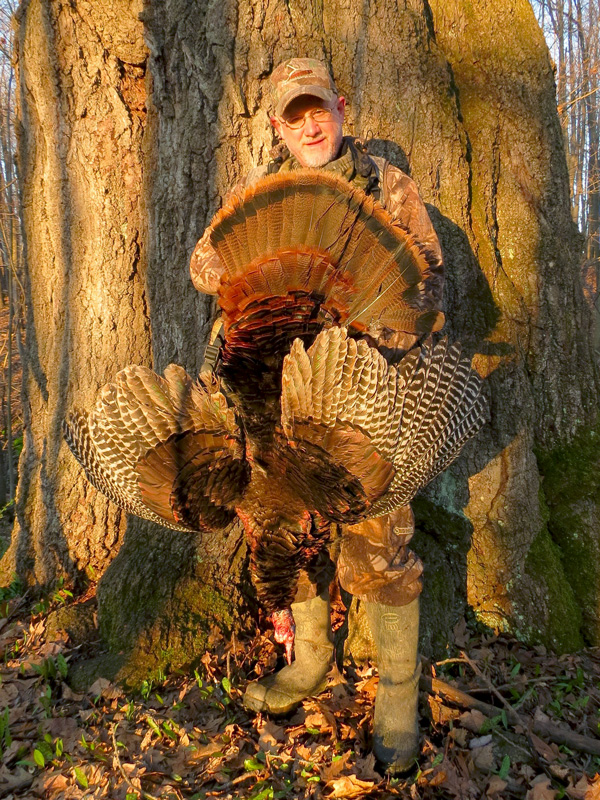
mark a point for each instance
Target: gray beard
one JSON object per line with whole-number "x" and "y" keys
{"x": 321, "y": 159}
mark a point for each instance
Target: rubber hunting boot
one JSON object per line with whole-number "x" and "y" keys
{"x": 395, "y": 729}
{"x": 306, "y": 676}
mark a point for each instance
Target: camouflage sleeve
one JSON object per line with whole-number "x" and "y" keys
{"x": 408, "y": 210}
{"x": 375, "y": 563}
{"x": 404, "y": 203}
{"x": 206, "y": 268}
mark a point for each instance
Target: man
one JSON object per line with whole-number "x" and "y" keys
{"x": 374, "y": 563}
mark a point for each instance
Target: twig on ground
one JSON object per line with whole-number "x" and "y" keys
{"x": 511, "y": 685}
{"x": 437, "y": 686}
{"x": 575, "y": 741}
{"x": 494, "y": 691}
{"x": 450, "y": 661}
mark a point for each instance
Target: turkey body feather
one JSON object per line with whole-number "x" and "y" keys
{"x": 304, "y": 251}
{"x": 305, "y": 426}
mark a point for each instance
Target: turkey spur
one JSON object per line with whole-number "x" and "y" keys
{"x": 305, "y": 424}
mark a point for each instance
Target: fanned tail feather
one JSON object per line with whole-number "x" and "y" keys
{"x": 305, "y": 251}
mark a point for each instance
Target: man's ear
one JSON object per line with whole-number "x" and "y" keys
{"x": 340, "y": 106}
{"x": 277, "y": 125}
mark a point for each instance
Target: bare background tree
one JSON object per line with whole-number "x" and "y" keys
{"x": 134, "y": 121}
{"x": 10, "y": 259}
{"x": 572, "y": 29}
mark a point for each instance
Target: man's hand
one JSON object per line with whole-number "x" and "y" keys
{"x": 206, "y": 268}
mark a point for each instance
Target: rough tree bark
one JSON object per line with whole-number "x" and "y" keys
{"x": 134, "y": 125}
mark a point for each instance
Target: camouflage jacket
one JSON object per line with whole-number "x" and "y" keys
{"x": 393, "y": 188}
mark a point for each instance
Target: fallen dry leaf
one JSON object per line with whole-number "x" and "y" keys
{"x": 461, "y": 633}
{"x": 270, "y": 736}
{"x": 315, "y": 719}
{"x": 53, "y": 648}
{"x": 48, "y": 784}
{"x": 579, "y": 790}
{"x": 65, "y": 728}
{"x": 154, "y": 758}
{"x": 472, "y": 720}
{"x": 322, "y": 718}
{"x": 440, "y": 713}
{"x": 592, "y": 790}
{"x": 104, "y": 688}
{"x": 540, "y": 716}
{"x": 541, "y": 789}
{"x": 204, "y": 751}
{"x": 483, "y": 757}
{"x": 333, "y": 770}
{"x": 11, "y": 752}
{"x": 340, "y": 690}
{"x": 13, "y": 780}
{"x": 365, "y": 768}
{"x": 548, "y": 752}
{"x": 559, "y": 771}
{"x": 438, "y": 779}
{"x": 69, "y": 694}
{"x": 459, "y": 735}
{"x": 305, "y": 752}
{"x": 228, "y": 740}
{"x": 369, "y": 686}
{"x": 350, "y": 786}
{"x": 8, "y": 694}
{"x": 495, "y": 786}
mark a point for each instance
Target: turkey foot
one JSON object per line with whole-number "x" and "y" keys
{"x": 285, "y": 631}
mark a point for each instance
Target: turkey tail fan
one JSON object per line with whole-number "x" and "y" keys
{"x": 305, "y": 250}
{"x": 166, "y": 449}
{"x": 369, "y": 436}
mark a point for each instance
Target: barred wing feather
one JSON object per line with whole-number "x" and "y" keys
{"x": 167, "y": 449}
{"x": 370, "y": 436}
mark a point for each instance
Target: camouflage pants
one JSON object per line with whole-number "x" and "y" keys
{"x": 373, "y": 564}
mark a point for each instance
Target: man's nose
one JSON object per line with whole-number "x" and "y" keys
{"x": 311, "y": 128}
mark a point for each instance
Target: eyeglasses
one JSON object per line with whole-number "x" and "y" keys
{"x": 296, "y": 121}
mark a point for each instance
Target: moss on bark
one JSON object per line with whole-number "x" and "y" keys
{"x": 571, "y": 488}
{"x": 558, "y": 624}
{"x": 160, "y": 616}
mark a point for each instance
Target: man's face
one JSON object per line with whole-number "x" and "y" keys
{"x": 314, "y": 143}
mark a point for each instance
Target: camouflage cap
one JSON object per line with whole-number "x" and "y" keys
{"x": 299, "y": 76}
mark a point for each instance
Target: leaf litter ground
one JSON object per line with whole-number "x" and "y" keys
{"x": 190, "y": 737}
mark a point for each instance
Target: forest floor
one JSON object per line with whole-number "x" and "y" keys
{"x": 190, "y": 737}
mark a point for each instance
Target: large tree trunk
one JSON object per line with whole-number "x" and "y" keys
{"x": 80, "y": 161}
{"x": 125, "y": 153}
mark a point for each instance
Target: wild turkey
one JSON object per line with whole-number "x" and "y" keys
{"x": 306, "y": 425}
